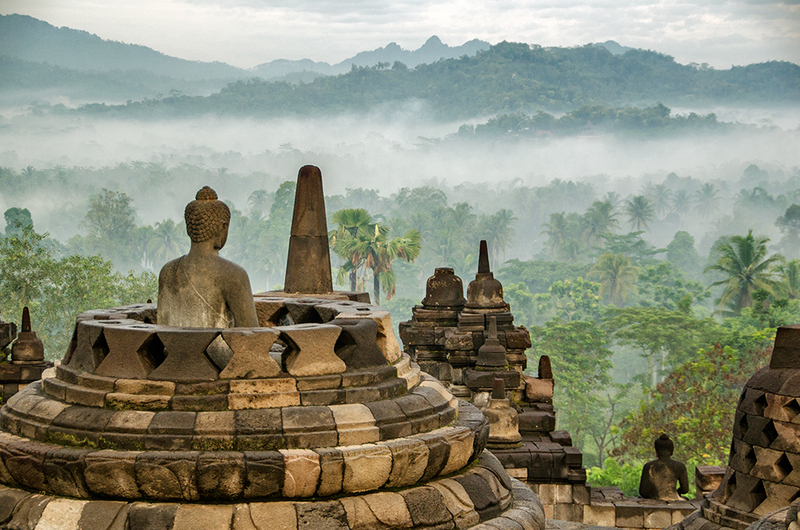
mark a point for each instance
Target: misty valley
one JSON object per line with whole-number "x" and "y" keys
{"x": 643, "y": 216}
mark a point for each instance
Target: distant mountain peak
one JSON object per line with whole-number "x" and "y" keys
{"x": 613, "y": 46}
{"x": 433, "y": 41}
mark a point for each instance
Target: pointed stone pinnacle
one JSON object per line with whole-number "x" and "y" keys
{"x": 483, "y": 258}
{"x": 26, "y": 320}
{"x": 308, "y": 266}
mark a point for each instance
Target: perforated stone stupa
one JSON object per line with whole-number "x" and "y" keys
{"x": 313, "y": 419}
{"x": 761, "y": 486}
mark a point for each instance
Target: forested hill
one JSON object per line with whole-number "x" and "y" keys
{"x": 30, "y": 39}
{"x": 508, "y": 77}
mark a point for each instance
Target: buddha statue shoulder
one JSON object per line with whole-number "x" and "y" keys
{"x": 201, "y": 289}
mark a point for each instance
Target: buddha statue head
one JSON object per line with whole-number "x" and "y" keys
{"x": 207, "y": 218}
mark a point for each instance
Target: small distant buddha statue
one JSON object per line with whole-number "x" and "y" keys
{"x": 660, "y": 477}
{"x": 202, "y": 289}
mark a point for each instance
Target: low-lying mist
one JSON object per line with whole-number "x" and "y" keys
{"x": 384, "y": 151}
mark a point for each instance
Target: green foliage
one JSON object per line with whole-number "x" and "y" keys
{"x": 539, "y": 275}
{"x": 616, "y": 277}
{"x": 581, "y": 362}
{"x": 506, "y": 80}
{"x": 694, "y": 405}
{"x": 16, "y": 218}
{"x": 623, "y": 476}
{"x": 57, "y": 288}
{"x": 569, "y": 301}
{"x": 744, "y": 263}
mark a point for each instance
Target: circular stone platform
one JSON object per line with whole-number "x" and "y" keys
{"x": 314, "y": 420}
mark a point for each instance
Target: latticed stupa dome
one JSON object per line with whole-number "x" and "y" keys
{"x": 763, "y": 474}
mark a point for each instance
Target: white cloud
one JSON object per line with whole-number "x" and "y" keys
{"x": 250, "y": 32}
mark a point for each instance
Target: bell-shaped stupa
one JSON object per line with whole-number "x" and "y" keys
{"x": 314, "y": 418}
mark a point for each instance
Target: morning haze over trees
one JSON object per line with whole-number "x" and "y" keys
{"x": 643, "y": 215}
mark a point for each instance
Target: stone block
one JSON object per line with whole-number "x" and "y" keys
{"x": 64, "y": 469}
{"x": 547, "y": 493}
{"x": 98, "y": 514}
{"x": 426, "y": 506}
{"x": 167, "y": 475}
{"x": 117, "y": 401}
{"x": 203, "y": 388}
{"x": 269, "y": 310}
{"x": 273, "y": 515}
{"x": 301, "y": 472}
{"x": 478, "y": 380}
{"x": 112, "y": 474}
{"x": 599, "y": 515}
{"x": 409, "y": 462}
{"x": 331, "y": 475}
{"x": 438, "y": 454}
{"x": 173, "y": 423}
{"x": 319, "y": 382}
{"x": 386, "y": 340}
{"x": 657, "y": 518}
{"x": 186, "y": 360}
{"x": 389, "y": 509}
{"x": 366, "y": 467}
{"x": 156, "y": 516}
{"x": 85, "y": 417}
{"x": 357, "y": 345}
{"x": 90, "y": 348}
{"x": 198, "y": 403}
{"x": 354, "y": 424}
{"x": 629, "y": 515}
{"x": 334, "y": 396}
{"x": 457, "y": 502}
{"x": 192, "y": 517}
{"x": 220, "y": 475}
{"x": 264, "y": 472}
{"x": 251, "y": 357}
{"x": 95, "y": 382}
{"x": 248, "y": 422}
{"x": 130, "y": 421}
{"x": 61, "y": 514}
{"x": 461, "y": 443}
{"x": 263, "y": 401}
{"x": 145, "y": 387}
{"x": 133, "y": 351}
{"x": 563, "y": 512}
{"x": 310, "y": 349}
{"x": 321, "y": 515}
{"x": 563, "y": 493}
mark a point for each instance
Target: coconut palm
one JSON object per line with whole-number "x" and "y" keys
{"x": 661, "y": 197}
{"x": 406, "y": 247}
{"x": 599, "y": 219}
{"x": 497, "y": 231}
{"x": 707, "y": 199}
{"x": 167, "y": 241}
{"x": 788, "y": 279}
{"x": 344, "y": 241}
{"x": 744, "y": 263}
{"x": 258, "y": 203}
{"x": 639, "y": 210}
{"x": 616, "y": 276}
{"x": 681, "y": 202}
{"x": 558, "y": 231}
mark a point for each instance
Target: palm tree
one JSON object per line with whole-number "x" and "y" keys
{"x": 639, "y": 210}
{"x": 257, "y": 202}
{"x": 744, "y": 262}
{"x": 662, "y": 197}
{"x": 681, "y": 202}
{"x": 167, "y": 241}
{"x": 599, "y": 219}
{"x": 557, "y": 231}
{"x": 707, "y": 198}
{"x": 496, "y": 230}
{"x": 789, "y": 279}
{"x": 344, "y": 241}
{"x": 616, "y": 276}
{"x": 406, "y": 248}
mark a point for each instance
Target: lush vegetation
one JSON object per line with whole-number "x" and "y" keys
{"x": 506, "y": 79}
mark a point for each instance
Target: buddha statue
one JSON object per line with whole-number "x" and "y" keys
{"x": 201, "y": 289}
{"x": 660, "y": 477}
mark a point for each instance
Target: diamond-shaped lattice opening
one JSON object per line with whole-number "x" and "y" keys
{"x": 792, "y": 408}
{"x": 783, "y": 466}
{"x": 730, "y": 487}
{"x": 770, "y": 432}
{"x": 100, "y": 349}
{"x": 153, "y": 350}
{"x": 758, "y": 494}
{"x": 760, "y": 404}
{"x": 742, "y": 425}
{"x": 749, "y": 458}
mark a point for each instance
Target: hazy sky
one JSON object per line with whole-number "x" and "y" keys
{"x": 250, "y": 32}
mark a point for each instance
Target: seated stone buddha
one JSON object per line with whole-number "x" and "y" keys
{"x": 201, "y": 289}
